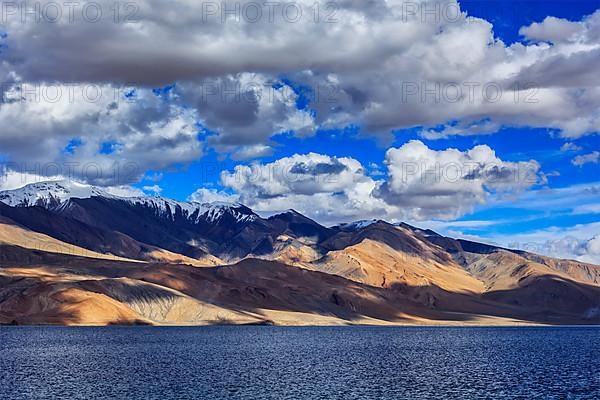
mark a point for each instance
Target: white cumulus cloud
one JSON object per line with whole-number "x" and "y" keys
{"x": 420, "y": 184}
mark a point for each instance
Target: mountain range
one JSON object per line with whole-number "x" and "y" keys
{"x": 73, "y": 254}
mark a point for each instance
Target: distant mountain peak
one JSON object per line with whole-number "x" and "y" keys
{"x": 223, "y": 204}
{"x": 357, "y": 225}
{"x": 291, "y": 213}
{"x": 216, "y": 211}
{"x": 424, "y": 232}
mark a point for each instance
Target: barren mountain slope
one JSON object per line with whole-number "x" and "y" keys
{"x": 13, "y": 234}
{"x": 38, "y": 287}
{"x": 363, "y": 272}
{"x": 501, "y": 268}
{"x": 377, "y": 264}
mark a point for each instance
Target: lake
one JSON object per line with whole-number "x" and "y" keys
{"x": 299, "y": 363}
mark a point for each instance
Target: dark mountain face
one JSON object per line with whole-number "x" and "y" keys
{"x": 459, "y": 245}
{"x": 294, "y": 224}
{"x": 383, "y": 232}
{"x": 229, "y": 232}
{"x": 423, "y": 232}
{"x": 131, "y": 229}
{"x": 379, "y": 231}
{"x": 74, "y": 231}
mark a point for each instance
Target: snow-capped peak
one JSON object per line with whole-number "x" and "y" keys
{"x": 209, "y": 212}
{"x": 54, "y": 194}
{"x": 49, "y": 194}
{"x": 356, "y": 225}
{"x": 216, "y": 211}
{"x": 290, "y": 212}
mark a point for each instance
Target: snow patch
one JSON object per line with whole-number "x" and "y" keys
{"x": 49, "y": 194}
{"x": 356, "y": 225}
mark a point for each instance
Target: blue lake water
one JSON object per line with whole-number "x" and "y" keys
{"x": 299, "y": 363}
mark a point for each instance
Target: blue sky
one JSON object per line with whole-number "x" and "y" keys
{"x": 510, "y": 15}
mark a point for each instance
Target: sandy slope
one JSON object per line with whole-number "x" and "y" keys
{"x": 58, "y": 289}
{"x": 65, "y": 304}
{"x": 13, "y": 234}
{"x": 166, "y": 256}
{"x": 293, "y": 251}
{"x": 378, "y": 264}
{"x": 50, "y": 296}
{"x": 578, "y": 271}
{"x": 502, "y": 270}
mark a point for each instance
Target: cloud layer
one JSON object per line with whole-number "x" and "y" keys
{"x": 398, "y": 68}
